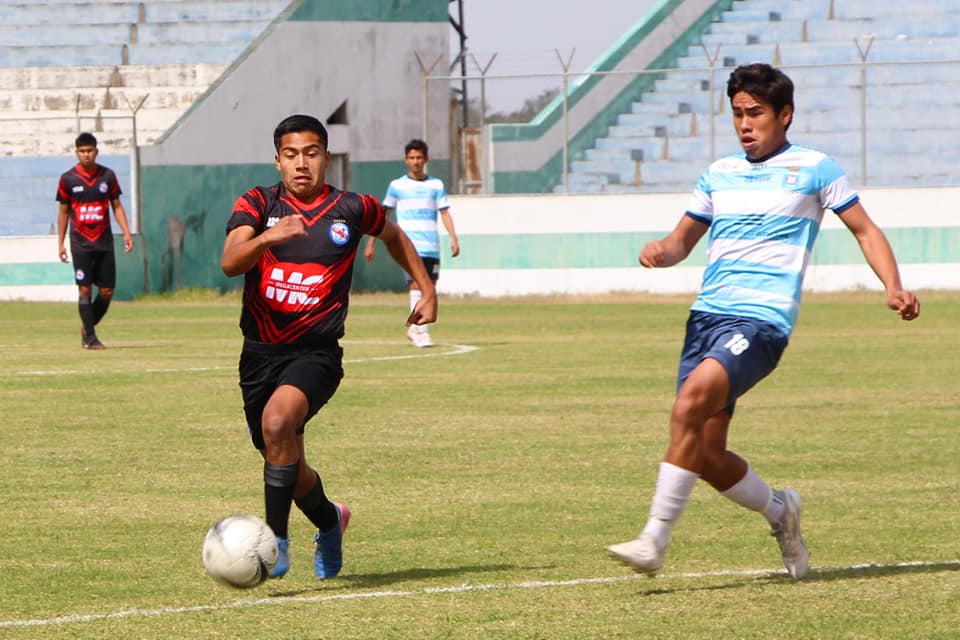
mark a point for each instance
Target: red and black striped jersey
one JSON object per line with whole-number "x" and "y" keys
{"x": 299, "y": 290}
{"x": 88, "y": 196}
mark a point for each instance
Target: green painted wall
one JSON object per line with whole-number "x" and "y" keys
{"x": 373, "y": 11}
{"x": 834, "y": 247}
{"x": 201, "y": 198}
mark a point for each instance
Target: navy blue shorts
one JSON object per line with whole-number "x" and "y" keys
{"x": 432, "y": 265}
{"x": 748, "y": 349}
{"x": 264, "y": 367}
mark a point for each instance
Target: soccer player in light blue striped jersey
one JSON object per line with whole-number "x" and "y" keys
{"x": 762, "y": 209}
{"x": 418, "y": 199}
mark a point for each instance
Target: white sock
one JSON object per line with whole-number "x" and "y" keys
{"x": 674, "y": 486}
{"x": 755, "y": 494}
{"x": 415, "y": 296}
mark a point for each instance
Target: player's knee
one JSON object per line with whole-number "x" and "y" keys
{"x": 688, "y": 411}
{"x": 277, "y": 430}
{"x": 105, "y": 293}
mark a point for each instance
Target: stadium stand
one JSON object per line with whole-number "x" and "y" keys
{"x": 69, "y": 66}
{"x": 664, "y": 142}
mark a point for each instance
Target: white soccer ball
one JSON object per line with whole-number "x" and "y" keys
{"x": 240, "y": 551}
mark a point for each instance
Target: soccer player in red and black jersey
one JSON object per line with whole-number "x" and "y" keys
{"x": 86, "y": 193}
{"x": 295, "y": 243}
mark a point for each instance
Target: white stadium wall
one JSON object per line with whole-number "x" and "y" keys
{"x": 589, "y": 244}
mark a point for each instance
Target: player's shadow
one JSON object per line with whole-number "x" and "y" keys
{"x": 375, "y": 580}
{"x": 823, "y": 574}
{"x": 879, "y": 571}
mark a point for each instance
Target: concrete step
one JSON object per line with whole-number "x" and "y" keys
{"x": 91, "y": 99}
{"x": 190, "y": 74}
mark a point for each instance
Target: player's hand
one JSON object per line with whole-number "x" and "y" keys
{"x": 287, "y": 228}
{"x": 653, "y": 255}
{"x": 904, "y": 303}
{"x": 369, "y": 252}
{"x": 425, "y": 311}
{"x": 63, "y": 254}
{"x": 454, "y": 247}
{"x": 127, "y": 243}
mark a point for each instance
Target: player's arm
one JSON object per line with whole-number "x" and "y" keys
{"x": 447, "y": 221}
{"x": 63, "y": 217}
{"x": 121, "y": 215}
{"x": 876, "y": 249}
{"x": 370, "y": 252}
{"x": 243, "y": 247}
{"x": 676, "y": 246}
{"x": 405, "y": 254}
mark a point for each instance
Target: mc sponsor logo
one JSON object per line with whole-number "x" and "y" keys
{"x": 289, "y": 287}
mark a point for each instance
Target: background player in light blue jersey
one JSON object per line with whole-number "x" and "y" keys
{"x": 419, "y": 199}
{"x": 763, "y": 210}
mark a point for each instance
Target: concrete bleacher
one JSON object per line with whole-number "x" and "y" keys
{"x": 911, "y": 104}
{"x": 71, "y": 65}
{"x": 28, "y": 188}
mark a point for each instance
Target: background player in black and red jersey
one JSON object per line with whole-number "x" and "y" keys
{"x": 86, "y": 193}
{"x": 295, "y": 243}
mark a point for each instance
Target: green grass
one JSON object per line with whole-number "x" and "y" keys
{"x": 484, "y": 485}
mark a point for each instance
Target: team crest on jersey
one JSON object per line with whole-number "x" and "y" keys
{"x": 272, "y": 220}
{"x": 339, "y": 233}
{"x": 103, "y": 187}
{"x": 790, "y": 180}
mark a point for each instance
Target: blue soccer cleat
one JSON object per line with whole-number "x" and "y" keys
{"x": 328, "y": 557}
{"x": 283, "y": 559}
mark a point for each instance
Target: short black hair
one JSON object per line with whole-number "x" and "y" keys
{"x": 85, "y": 139}
{"x": 416, "y": 145}
{"x": 297, "y": 123}
{"x": 764, "y": 82}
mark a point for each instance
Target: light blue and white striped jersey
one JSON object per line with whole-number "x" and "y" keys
{"x": 417, "y": 203}
{"x": 764, "y": 218}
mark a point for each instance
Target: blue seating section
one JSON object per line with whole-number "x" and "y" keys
{"x": 28, "y": 189}
{"x": 911, "y": 105}
{"x": 113, "y": 33}
{"x": 93, "y": 40}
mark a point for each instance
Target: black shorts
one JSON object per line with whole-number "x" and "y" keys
{"x": 94, "y": 267}
{"x": 431, "y": 265}
{"x": 316, "y": 371}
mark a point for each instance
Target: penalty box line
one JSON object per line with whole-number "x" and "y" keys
{"x": 465, "y": 588}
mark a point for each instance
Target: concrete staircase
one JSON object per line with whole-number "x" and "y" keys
{"x": 68, "y": 66}
{"x": 912, "y": 109}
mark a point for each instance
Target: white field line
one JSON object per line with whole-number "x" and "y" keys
{"x": 437, "y": 351}
{"x": 465, "y": 588}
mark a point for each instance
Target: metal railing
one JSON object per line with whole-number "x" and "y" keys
{"x": 920, "y": 123}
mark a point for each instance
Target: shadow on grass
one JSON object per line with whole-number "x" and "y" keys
{"x": 373, "y": 580}
{"x": 879, "y": 570}
{"x": 822, "y": 574}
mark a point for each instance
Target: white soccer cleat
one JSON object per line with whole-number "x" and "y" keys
{"x": 796, "y": 557}
{"x": 425, "y": 339}
{"x": 419, "y": 336}
{"x": 642, "y": 554}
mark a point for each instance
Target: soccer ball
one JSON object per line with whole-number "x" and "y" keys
{"x": 240, "y": 551}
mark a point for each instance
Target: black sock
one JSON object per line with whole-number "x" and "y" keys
{"x": 318, "y": 508}
{"x": 86, "y": 316}
{"x": 100, "y": 306}
{"x": 279, "y": 481}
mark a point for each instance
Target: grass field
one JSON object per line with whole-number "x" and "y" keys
{"x": 485, "y": 475}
